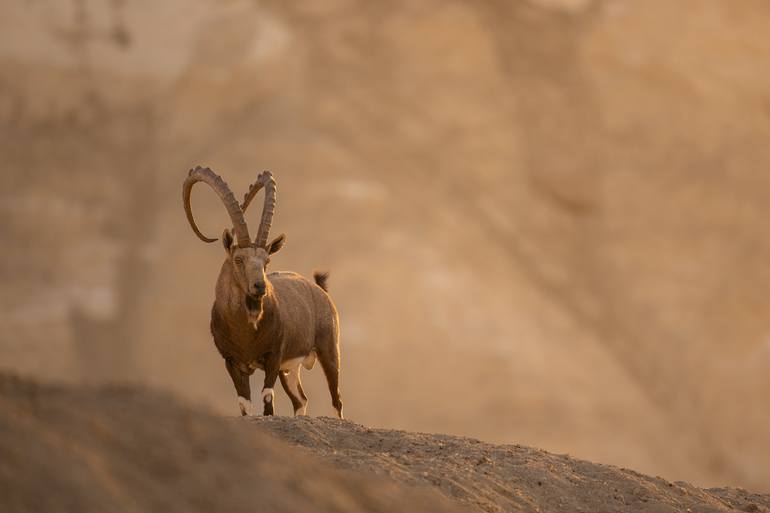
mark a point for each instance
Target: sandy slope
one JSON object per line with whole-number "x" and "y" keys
{"x": 126, "y": 450}
{"x": 123, "y": 449}
{"x": 501, "y": 477}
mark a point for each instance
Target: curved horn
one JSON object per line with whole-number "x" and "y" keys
{"x": 266, "y": 180}
{"x": 206, "y": 175}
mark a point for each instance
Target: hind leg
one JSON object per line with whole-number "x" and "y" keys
{"x": 293, "y": 388}
{"x": 330, "y": 363}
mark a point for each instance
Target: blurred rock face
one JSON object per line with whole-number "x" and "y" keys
{"x": 543, "y": 220}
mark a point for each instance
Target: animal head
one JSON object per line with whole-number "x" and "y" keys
{"x": 248, "y": 258}
{"x": 249, "y": 265}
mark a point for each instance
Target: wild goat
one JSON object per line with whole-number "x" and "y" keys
{"x": 274, "y": 322}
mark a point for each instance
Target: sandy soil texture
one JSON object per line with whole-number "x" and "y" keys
{"x": 78, "y": 449}
{"x": 497, "y": 478}
{"x": 126, "y": 450}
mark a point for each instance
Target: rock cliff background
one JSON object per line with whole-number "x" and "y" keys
{"x": 544, "y": 220}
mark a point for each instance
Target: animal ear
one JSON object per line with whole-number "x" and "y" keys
{"x": 227, "y": 240}
{"x": 276, "y": 244}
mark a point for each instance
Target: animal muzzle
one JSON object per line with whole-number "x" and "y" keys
{"x": 258, "y": 289}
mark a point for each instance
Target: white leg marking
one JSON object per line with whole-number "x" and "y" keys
{"x": 292, "y": 382}
{"x": 245, "y": 405}
{"x": 267, "y": 395}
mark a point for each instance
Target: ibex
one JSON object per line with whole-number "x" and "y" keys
{"x": 274, "y": 321}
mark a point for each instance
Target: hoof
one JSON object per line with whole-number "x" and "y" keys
{"x": 245, "y": 406}
{"x": 267, "y": 397}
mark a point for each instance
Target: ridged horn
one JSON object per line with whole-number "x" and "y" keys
{"x": 206, "y": 175}
{"x": 266, "y": 180}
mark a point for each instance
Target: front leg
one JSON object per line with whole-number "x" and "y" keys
{"x": 272, "y": 368}
{"x": 242, "y": 387}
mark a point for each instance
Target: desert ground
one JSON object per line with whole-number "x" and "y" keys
{"x": 79, "y": 449}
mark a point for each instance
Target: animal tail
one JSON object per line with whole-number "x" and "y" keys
{"x": 320, "y": 279}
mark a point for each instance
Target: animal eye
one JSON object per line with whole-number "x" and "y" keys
{"x": 239, "y": 261}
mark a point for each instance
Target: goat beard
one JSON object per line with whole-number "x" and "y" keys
{"x": 255, "y": 317}
{"x": 254, "y": 312}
